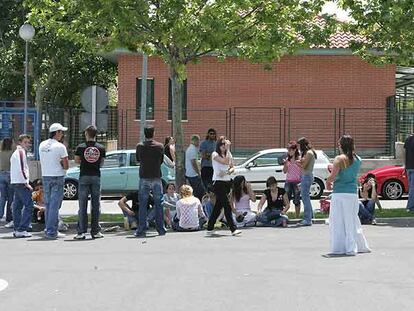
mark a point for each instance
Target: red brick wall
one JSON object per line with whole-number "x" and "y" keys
{"x": 295, "y": 82}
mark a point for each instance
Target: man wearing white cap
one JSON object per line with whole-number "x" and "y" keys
{"x": 54, "y": 162}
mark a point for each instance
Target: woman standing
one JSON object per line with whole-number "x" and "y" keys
{"x": 169, "y": 148}
{"x": 306, "y": 162}
{"x": 6, "y": 191}
{"x": 345, "y": 228}
{"x": 222, "y": 169}
{"x": 293, "y": 174}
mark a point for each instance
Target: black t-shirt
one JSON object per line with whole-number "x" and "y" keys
{"x": 91, "y": 154}
{"x": 150, "y": 155}
{"x": 278, "y": 204}
{"x": 409, "y": 152}
{"x": 133, "y": 197}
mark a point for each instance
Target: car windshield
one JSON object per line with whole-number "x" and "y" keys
{"x": 244, "y": 161}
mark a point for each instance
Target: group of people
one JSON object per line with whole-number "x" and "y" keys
{"x": 212, "y": 192}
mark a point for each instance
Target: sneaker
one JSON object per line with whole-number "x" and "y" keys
{"x": 80, "y": 236}
{"x": 60, "y": 235}
{"x": 97, "y": 235}
{"x": 304, "y": 223}
{"x": 211, "y": 233}
{"x": 139, "y": 235}
{"x": 236, "y": 233}
{"x": 9, "y": 225}
{"x": 21, "y": 234}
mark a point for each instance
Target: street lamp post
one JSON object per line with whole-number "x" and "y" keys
{"x": 26, "y": 32}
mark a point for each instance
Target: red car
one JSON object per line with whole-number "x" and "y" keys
{"x": 392, "y": 181}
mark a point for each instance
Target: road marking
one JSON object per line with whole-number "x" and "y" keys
{"x": 3, "y": 284}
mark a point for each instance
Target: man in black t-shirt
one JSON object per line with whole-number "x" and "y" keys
{"x": 150, "y": 155}
{"x": 409, "y": 166}
{"x": 90, "y": 155}
{"x": 131, "y": 212}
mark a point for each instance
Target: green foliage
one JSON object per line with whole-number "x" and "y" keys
{"x": 59, "y": 66}
{"x": 386, "y": 25}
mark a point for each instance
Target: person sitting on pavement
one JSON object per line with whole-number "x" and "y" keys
{"x": 39, "y": 206}
{"x": 170, "y": 200}
{"x": 131, "y": 213}
{"x": 190, "y": 215}
{"x": 208, "y": 201}
{"x": 240, "y": 199}
{"x": 368, "y": 200}
{"x": 277, "y": 205}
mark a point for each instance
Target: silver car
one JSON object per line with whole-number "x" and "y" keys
{"x": 263, "y": 164}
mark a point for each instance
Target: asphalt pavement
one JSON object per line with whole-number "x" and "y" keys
{"x": 264, "y": 269}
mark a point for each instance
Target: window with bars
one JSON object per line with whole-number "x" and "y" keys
{"x": 184, "y": 102}
{"x": 150, "y": 99}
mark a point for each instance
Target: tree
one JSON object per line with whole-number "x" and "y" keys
{"x": 387, "y": 26}
{"x": 182, "y": 31}
{"x": 59, "y": 67}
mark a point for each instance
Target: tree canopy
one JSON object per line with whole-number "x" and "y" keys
{"x": 386, "y": 25}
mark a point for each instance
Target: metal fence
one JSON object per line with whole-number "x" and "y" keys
{"x": 251, "y": 129}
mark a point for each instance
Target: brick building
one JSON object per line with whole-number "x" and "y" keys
{"x": 319, "y": 93}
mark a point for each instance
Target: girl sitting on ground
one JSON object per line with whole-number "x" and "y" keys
{"x": 368, "y": 200}
{"x": 170, "y": 200}
{"x": 240, "y": 199}
{"x": 189, "y": 212}
{"x": 277, "y": 205}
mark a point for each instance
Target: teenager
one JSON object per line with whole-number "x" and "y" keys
{"x": 346, "y": 234}
{"x": 293, "y": 175}
{"x": 240, "y": 199}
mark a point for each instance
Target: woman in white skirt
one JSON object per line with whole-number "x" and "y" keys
{"x": 346, "y": 233}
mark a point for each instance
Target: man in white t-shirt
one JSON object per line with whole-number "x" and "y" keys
{"x": 54, "y": 163}
{"x": 192, "y": 169}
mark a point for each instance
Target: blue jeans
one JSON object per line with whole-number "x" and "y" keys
{"x": 305, "y": 184}
{"x": 410, "y": 202}
{"x": 197, "y": 185}
{"x": 366, "y": 212}
{"x": 293, "y": 192}
{"x": 145, "y": 186}
{"x": 53, "y": 196}
{"x": 271, "y": 217}
{"x": 89, "y": 185}
{"x": 135, "y": 218}
{"x": 6, "y": 195}
{"x": 22, "y": 207}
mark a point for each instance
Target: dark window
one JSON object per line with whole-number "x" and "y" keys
{"x": 184, "y": 102}
{"x": 150, "y": 99}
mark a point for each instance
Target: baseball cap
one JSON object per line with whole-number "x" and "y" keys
{"x": 57, "y": 127}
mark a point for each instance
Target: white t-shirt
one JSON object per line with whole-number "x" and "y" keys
{"x": 19, "y": 170}
{"x": 51, "y": 152}
{"x": 191, "y": 154}
{"x": 218, "y": 167}
{"x": 187, "y": 212}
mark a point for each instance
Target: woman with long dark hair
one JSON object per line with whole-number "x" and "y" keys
{"x": 169, "y": 148}
{"x": 6, "y": 191}
{"x": 222, "y": 169}
{"x": 293, "y": 174}
{"x": 240, "y": 198}
{"x": 346, "y": 233}
{"x": 306, "y": 162}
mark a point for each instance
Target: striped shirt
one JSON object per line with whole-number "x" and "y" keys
{"x": 19, "y": 170}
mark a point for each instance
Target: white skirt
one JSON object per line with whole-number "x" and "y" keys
{"x": 344, "y": 225}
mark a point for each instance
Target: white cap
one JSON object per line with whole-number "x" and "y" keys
{"x": 57, "y": 127}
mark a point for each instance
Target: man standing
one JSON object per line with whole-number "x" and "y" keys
{"x": 54, "y": 162}
{"x": 409, "y": 166}
{"x": 207, "y": 147}
{"x": 90, "y": 155}
{"x": 19, "y": 179}
{"x": 150, "y": 156}
{"x": 192, "y": 170}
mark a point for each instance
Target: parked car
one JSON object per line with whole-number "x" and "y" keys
{"x": 392, "y": 181}
{"x": 269, "y": 162}
{"x": 119, "y": 174}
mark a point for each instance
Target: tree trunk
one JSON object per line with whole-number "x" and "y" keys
{"x": 177, "y": 89}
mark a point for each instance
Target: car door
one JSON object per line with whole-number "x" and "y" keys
{"x": 262, "y": 167}
{"x": 114, "y": 173}
{"x": 132, "y": 172}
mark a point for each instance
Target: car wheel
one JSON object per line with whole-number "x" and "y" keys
{"x": 70, "y": 190}
{"x": 316, "y": 189}
{"x": 392, "y": 190}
